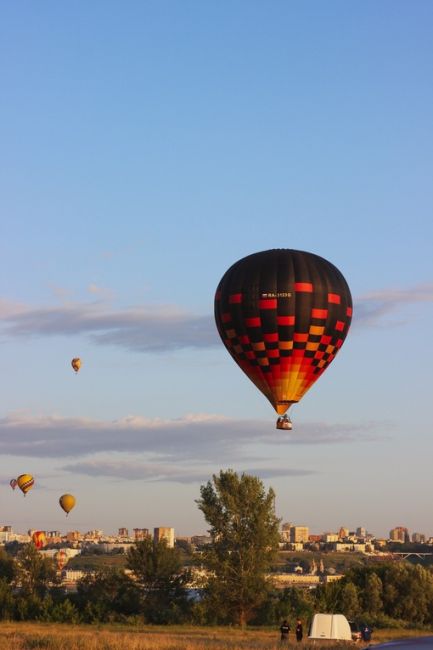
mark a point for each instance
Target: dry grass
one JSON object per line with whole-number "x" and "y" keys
{"x": 40, "y": 636}
{"x": 29, "y": 636}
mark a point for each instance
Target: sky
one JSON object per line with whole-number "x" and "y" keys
{"x": 146, "y": 146}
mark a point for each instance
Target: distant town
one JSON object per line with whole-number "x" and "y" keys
{"x": 305, "y": 560}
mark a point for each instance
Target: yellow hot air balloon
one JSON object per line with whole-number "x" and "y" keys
{"x": 67, "y": 502}
{"x": 25, "y": 482}
{"x": 76, "y": 363}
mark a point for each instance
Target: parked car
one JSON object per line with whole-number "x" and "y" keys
{"x": 414, "y": 643}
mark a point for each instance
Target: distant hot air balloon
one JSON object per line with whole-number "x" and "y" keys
{"x": 25, "y": 482}
{"x": 76, "y": 363}
{"x": 67, "y": 502}
{"x": 60, "y": 558}
{"x": 13, "y": 483}
{"x": 283, "y": 315}
{"x": 39, "y": 539}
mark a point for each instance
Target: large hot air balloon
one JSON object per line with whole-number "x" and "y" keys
{"x": 283, "y": 315}
{"x": 25, "y": 482}
{"x": 39, "y": 539}
{"x": 76, "y": 363}
{"x": 67, "y": 502}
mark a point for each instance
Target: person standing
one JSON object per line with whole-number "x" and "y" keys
{"x": 299, "y": 630}
{"x": 366, "y": 632}
{"x": 284, "y": 629}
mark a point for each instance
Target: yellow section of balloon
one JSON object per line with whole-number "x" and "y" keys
{"x": 67, "y": 502}
{"x": 76, "y": 363}
{"x": 25, "y": 482}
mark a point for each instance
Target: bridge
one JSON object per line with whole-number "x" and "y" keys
{"x": 404, "y": 555}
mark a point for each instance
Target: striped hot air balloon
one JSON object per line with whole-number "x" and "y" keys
{"x": 25, "y": 482}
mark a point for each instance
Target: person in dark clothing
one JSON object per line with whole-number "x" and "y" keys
{"x": 298, "y": 630}
{"x": 365, "y": 633}
{"x": 284, "y": 629}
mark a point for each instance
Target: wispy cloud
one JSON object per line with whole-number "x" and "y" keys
{"x": 141, "y": 329}
{"x": 192, "y": 438}
{"x": 166, "y": 328}
{"x": 160, "y": 472}
{"x": 372, "y": 308}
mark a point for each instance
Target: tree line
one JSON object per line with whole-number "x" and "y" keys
{"x": 235, "y": 585}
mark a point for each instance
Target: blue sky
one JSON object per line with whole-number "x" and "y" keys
{"x": 147, "y": 146}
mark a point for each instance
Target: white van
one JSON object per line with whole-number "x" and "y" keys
{"x": 330, "y": 626}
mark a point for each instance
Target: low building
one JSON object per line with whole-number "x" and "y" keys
{"x": 109, "y": 547}
{"x": 347, "y": 547}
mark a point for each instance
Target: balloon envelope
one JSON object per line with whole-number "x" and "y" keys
{"x": 283, "y": 315}
{"x": 13, "y": 483}
{"x": 60, "y": 558}
{"x": 25, "y": 482}
{"x": 76, "y": 363}
{"x": 67, "y": 502}
{"x": 39, "y": 539}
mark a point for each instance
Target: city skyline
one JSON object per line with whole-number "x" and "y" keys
{"x": 144, "y": 151}
{"x": 397, "y": 533}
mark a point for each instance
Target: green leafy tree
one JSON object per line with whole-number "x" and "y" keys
{"x": 162, "y": 581}
{"x": 372, "y": 595}
{"x": 34, "y": 573}
{"x": 7, "y": 567}
{"x": 291, "y": 603}
{"x": 106, "y": 595}
{"x": 64, "y": 612}
{"x": 7, "y": 600}
{"x": 245, "y": 536}
{"x": 328, "y": 597}
{"x": 350, "y": 605}
{"x": 398, "y": 591}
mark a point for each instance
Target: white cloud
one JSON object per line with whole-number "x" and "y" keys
{"x": 143, "y": 329}
{"x": 372, "y": 308}
{"x": 159, "y": 472}
{"x": 192, "y": 438}
{"x": 165, "y": 328}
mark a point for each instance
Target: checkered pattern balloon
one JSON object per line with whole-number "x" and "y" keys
{"x": 283, "y": 315}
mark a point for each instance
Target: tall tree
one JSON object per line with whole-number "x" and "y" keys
{"x": 373, "y": 594}
{"x": 245, "y": 536}
{"x": 34, "y": 573}
{"x": 158, "y": 572}
{"x": 350, "y": 600}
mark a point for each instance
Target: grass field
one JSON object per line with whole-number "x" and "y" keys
{"x": 40, "y": 636}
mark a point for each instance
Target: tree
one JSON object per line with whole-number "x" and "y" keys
{"x": 373, "y": 594}
{"x": 34, "y": 573}
{"x": 7, "y": 567}
{"x": 159, "y": 574}
{"x": 245, "y": 536}
{"x": 106, "y": 595}
{"x": 350, "y": 601}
